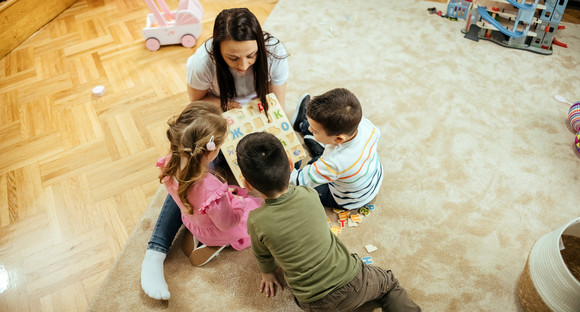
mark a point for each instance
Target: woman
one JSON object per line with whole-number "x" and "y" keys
{"x": 239, "y": 64}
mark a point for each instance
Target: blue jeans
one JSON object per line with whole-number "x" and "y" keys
{"x": 169, "y": 220}
{"x": 304, "y": 127}
{"x": 326, "y": 197}
{"x": 166, "y": 228}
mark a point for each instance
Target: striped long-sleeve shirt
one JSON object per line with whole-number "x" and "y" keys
{"x": 352, "y": 170}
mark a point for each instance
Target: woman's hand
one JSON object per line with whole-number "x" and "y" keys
{"x": 268, "y": 285}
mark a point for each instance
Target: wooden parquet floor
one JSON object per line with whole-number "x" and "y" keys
{"x": 77, "y": 171}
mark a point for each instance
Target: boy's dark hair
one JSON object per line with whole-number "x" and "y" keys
{"x": 263, "y": 162}
{"x": 338, "y": 111}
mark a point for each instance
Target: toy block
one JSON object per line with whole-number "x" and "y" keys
{"x": 370, "y": 207}
{"x": 365, "y": 211}
{"x": 367, "y": 260}
{"x": 343, "y": 215}
{"x": 356, "y": 218}
{"x": 342, "y": 222}
{"x": 335, "y": 230}
{"x": 370, "y": 248}
{"x": 337, "y": 210}
{"x": 351, "y": 223}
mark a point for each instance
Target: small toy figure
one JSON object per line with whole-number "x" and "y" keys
{"x": 181, "y": 26}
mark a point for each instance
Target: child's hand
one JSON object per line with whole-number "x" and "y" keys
{"x": 268, "y": 285}
{"x": 234, "y": 192}
{"x": 234, "y": 104}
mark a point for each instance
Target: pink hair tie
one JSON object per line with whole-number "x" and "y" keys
{"x": 211, "y": 144}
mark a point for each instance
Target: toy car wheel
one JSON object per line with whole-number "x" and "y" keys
{"x": 152, "y": 44}
{"x": 188, "y": 41}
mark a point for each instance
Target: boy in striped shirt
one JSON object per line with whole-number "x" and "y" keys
{"x": 347, "y": 174}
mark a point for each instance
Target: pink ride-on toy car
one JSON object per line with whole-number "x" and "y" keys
{"x": 181, "y": 26}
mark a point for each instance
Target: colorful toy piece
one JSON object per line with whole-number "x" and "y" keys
{"x": 574, "y": 116}
{"x": 181, "y": 26}
{"x": 343, "y": 215}
{"x": 367, "y": 260}
{"x": 335, "y": 229}
{"x": 365, "y": 211}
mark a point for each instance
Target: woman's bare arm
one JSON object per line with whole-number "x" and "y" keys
{"x": 280, "y": 92}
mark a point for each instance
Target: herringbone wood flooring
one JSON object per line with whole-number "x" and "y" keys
{"x": 77, "y": 171}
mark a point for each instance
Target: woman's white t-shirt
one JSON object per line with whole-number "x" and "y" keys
{"x": 201, "y": 71}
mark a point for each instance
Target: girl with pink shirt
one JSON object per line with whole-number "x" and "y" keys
{"x": 213, "y": 211}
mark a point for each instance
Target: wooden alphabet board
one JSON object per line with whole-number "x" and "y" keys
{"x": 251, "y": 118}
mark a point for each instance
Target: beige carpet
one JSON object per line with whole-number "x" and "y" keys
{"x": 478, "y": 158}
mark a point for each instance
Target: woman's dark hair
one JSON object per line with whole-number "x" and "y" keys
{"x": 240, "y": 25}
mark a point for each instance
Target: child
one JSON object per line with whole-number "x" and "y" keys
{"x": 348, "y": 173}
{"x": 290, "y": 230}
{"x": 214, "y": 212}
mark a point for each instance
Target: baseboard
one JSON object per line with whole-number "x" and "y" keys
{"x": 20, "y": 19}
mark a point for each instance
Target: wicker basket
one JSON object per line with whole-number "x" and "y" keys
{"x": 551, "y": 278}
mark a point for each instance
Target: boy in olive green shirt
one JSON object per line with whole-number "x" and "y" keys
{"x": 290, "y": 229}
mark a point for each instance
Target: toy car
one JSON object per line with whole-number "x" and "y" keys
{"x": 181, "y": 26}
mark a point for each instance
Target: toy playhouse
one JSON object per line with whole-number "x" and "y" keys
{"x": 520, "y": 24}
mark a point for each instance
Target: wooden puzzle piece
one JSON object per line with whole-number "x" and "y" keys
{"x": 258, "y": 123}
{"x": 336, "y": 229}
{"x": 274, "y": 130}
{"x": 248, "y": 127}
{"x": 351, "y": 223}
{"x": 370, "y": 207}
{"x": 298, "y": 151}
{"x": 370, "y": 248}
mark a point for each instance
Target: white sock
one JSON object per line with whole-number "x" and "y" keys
{"x": 152, "y": 277}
